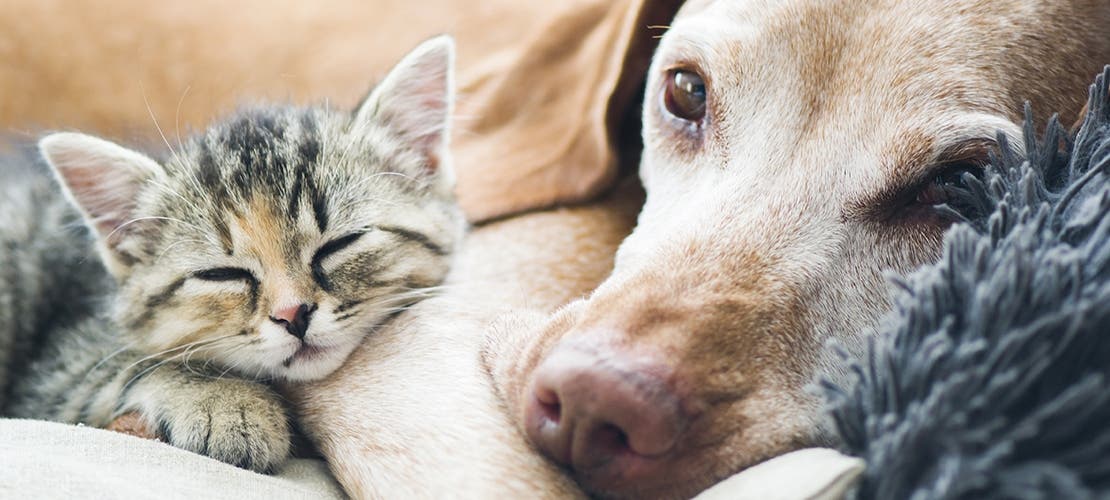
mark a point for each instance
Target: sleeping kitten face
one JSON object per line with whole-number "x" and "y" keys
{"x": 274, "y": 242}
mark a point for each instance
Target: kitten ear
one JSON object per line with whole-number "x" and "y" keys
{"x": 101, "y": 178}
{"x": 416, "y": 99}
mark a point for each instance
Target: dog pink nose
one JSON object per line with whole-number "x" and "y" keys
{"x": 606, "y": 414}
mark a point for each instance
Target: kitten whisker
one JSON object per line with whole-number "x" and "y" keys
{"x": 105, "y": 359}
{"x": 436, "y": 288}
{"x": 165, "y": 188}
{"x": 173, "y": 152}
{"x": 362, "y": 198}
{"x": 233, "y": 366}
{"x": 172, "y": 349}
{"x": 386, "y": 302}
{"x": 395, "y": 174}
{"x": 145, "y": 371}
{"x": 412, "y": 294}
{"x": 228, "y": 369}
{"x": 171, "y": 245}
{"x": 150, "y": 217}
{"x": 187, "y": 349}
{"x": 196, "y": 349}
{"x": 388, "y": 307}
{"x": 177, "y": 115}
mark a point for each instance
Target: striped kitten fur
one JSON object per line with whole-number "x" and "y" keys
{"x": 264, "y": 249}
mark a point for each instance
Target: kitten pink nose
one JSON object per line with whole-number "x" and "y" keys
{"x": 294, "y": 318}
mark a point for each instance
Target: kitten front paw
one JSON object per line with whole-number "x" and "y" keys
{"x": 132, "y": 423}
{"x": 234, "y": 421}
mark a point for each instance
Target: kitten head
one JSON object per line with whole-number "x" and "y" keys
{"x": 274, "y": 242}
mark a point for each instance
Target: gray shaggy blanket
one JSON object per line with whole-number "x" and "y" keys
{"x": 990, "y": 378}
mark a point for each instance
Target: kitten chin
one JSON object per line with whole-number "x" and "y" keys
{"x": 310, "y": 363}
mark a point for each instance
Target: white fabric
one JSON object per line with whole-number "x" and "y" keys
{"x": 49, "y": 460}
{"x": 810, "y": 474}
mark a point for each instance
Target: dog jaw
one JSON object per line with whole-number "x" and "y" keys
{"x": 767, "y": 229}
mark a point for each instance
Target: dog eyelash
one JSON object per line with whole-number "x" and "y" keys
{"x": 950, "y": 193}
{"x": 941, "y": 195}
{"x": 945, "y": 195}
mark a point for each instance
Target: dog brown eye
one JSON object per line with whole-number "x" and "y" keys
{"x": 950, "y": 185}
{"x": 934, "y": 193}
{"x": 685, "y": 95}
{"x": 951, "y": 194}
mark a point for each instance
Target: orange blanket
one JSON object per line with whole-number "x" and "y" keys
{"x": 547, "y": 89}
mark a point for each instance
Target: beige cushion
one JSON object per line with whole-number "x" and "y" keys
{"x": 809, "y": 474}
{"x": 51, "y": 460}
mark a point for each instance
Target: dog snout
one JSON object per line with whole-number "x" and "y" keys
{"x": 608, "y": 414}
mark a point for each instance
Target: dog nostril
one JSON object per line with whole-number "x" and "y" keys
{"x": 611, "y": 439}
{"x": 549, "y": 405}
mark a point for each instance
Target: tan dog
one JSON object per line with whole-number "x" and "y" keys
{"x": 794, "y": 153}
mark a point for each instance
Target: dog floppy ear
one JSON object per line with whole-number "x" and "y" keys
{"x": 1082, "y": 117}
{"x": 545, "y": 121}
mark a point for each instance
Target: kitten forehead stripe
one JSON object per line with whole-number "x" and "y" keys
{"x": 414, "y": 237}
{"x": 295, "y": 197}
{"x": 154, "y": 301}
{"x": 319, "y": 206}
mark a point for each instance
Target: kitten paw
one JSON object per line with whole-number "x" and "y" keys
{"x": 234, "y": 421}
{"x": 133, "y": 424}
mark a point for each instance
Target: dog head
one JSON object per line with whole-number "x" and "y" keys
{"x": 794, "y": 154}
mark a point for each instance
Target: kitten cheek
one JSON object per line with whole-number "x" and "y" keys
{"x": 275, "y": 338}
{"x": 230, "y": 301}
{"x": 246, "y": 357}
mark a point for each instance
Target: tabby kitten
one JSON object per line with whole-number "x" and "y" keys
{"x": 264, "y": 249}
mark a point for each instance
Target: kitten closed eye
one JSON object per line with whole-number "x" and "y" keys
{"x": 225, "y": 274}
{"x": 334, "y": 246}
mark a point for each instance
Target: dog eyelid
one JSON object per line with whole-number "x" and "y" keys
{"x": 971, "y": 153}
{"x": 975, "y": 150}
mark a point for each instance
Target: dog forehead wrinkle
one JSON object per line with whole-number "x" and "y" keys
{"x": 978, "y": 126}
{"x": 818, "y": 50}
{"x": 701, "y": 41}
{"x": 915, "y": 150}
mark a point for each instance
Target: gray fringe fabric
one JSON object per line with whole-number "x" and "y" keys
{"x": 990, "y": 377}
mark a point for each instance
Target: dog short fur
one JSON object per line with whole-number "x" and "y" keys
{"x": 769, "y": 229}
